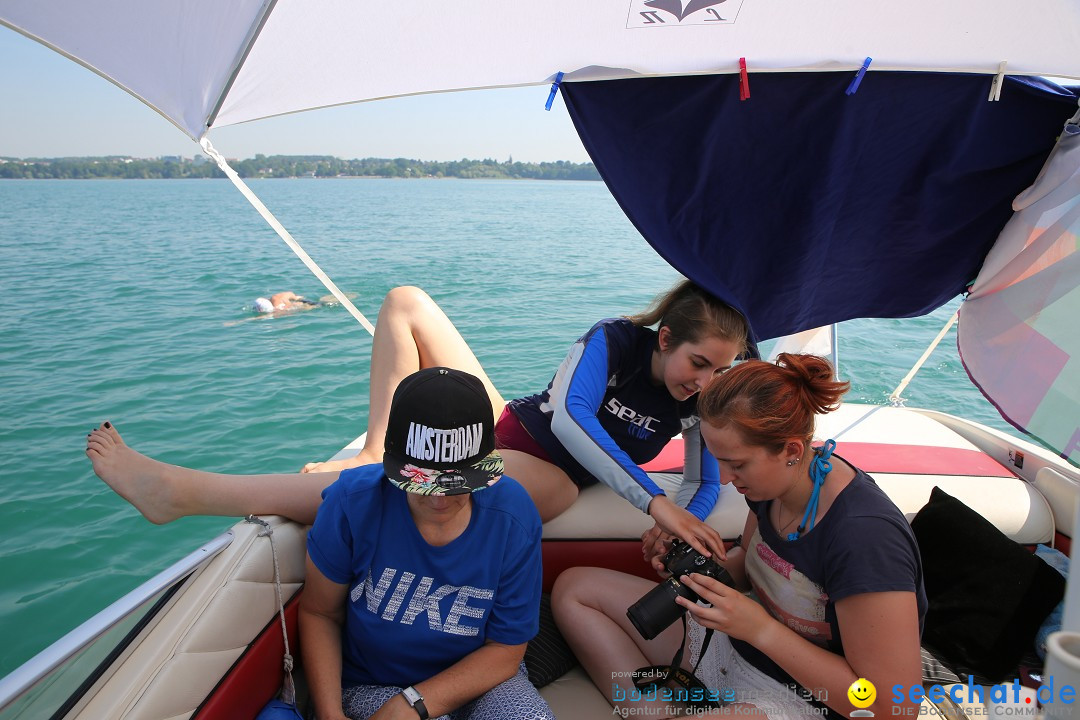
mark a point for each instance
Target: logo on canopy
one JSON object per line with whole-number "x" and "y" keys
{"x": 668, "y": 13}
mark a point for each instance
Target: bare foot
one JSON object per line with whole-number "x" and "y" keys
{"x": 362, "y": 458}
{"x": 142, "y": 481}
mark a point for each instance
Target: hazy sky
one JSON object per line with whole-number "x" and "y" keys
{"x": 53, "y": 107}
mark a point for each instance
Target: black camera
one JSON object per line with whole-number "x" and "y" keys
{"x": 657, "y": 609}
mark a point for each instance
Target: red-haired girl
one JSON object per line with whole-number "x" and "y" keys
{"x": 832, "y": 562}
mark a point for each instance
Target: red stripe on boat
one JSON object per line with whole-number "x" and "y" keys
{"x": 878, "y": 458}
{"x": 257, "y": 674}
{"x": 670, "y": 458}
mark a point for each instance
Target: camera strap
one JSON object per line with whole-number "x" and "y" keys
{"x": 655, "y": 676}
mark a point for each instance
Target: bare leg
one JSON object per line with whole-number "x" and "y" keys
{"x": 589, "y": 605}
{"x": 412, "y": 332}
{"x": 163, "y": 492}
{"x": 548, "y": 485}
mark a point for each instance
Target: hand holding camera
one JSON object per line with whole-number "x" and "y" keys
{"x": 655, "y": 544}
{"x": 679, "y": 522}
{"x": 657, "y": 609}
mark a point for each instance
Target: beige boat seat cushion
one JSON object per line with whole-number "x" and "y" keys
{"x": 1008, "y": 503}
{"x": 179, "y": 659}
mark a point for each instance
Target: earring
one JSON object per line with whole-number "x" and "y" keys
{"x": 791, "y": 462}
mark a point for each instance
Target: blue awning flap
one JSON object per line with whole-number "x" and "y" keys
{"x": 804, "y": 206}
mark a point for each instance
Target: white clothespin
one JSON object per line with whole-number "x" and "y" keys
{"x": 999, "y": 80}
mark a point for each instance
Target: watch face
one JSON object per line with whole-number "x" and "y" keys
{"x": 412, "y": 694}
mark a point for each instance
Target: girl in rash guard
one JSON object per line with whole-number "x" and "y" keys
{"x": 623, "y": 391}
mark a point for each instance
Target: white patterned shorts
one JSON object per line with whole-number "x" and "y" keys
{"x": 727, "y": 671}
{"x": 515, "y": 699}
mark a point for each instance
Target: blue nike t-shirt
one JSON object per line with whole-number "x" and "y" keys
{"x": 413, "y": 609}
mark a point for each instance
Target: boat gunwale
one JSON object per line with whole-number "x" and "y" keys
{"x": 27, "y": 676}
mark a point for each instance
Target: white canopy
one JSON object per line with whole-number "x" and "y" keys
{"x": 204, "y": 63}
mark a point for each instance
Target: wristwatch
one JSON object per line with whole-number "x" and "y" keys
{"x": 416, "y": 701}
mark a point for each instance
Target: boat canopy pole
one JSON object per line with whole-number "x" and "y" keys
{"x": 834, "y": 346}
{"x": 268, "y": 216}
{"x": 894, "y": 398}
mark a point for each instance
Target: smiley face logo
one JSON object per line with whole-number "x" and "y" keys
{"x": 862, "y": 693}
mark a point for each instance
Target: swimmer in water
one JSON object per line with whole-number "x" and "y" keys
{"x": 283, "y": 302}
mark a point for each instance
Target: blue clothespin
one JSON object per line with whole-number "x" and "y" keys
{"x": 858, "y": 77}
{"x": 554, "y": 89}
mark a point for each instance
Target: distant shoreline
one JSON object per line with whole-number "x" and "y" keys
{"x": 287, "y": 167}
{"x": 336, "y": 177}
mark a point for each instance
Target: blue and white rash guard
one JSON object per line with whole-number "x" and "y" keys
{"x": 602, "y": 415}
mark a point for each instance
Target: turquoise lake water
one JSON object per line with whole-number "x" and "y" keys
{"x": 130, "y": 301}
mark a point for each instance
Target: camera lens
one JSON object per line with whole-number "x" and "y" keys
{"x": 657, "y": 609}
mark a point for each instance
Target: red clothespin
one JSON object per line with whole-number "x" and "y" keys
{"x": 744, "y": 80}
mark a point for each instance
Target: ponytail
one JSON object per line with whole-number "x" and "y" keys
{"x": 692, "y": 314}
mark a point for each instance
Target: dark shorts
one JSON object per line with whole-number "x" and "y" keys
{"x": 511, "y": 435}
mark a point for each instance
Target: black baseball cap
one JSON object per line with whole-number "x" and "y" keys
{"x": 440, "y": 436}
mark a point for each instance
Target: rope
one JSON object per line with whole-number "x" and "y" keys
{"x": 894, "y": 399}
{"x": 288, "y": 688}
{"x": 223, "y": 164}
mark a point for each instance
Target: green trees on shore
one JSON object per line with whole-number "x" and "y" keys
{"x": 287, "y": 166}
